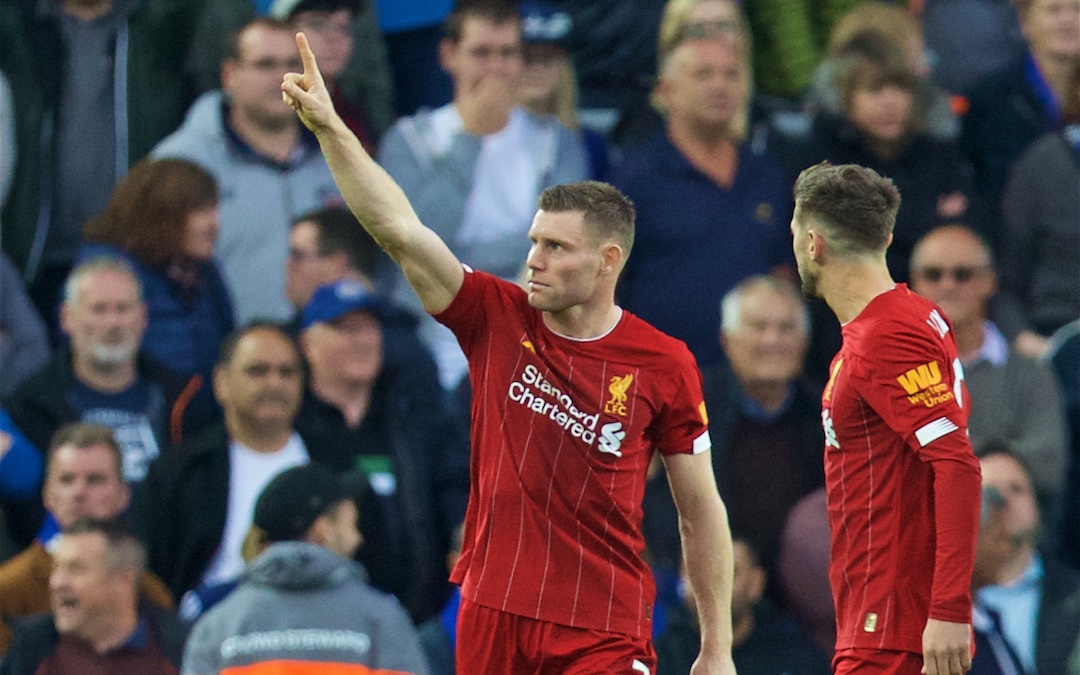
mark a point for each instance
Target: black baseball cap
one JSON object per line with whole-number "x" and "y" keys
{"x": 296, "y": 497}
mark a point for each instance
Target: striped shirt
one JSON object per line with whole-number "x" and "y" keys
{"x": 902, "y": 480}
{"x": 562, "y": 434}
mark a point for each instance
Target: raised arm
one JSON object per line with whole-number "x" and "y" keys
{"x": 706, "y": 544}
{"x": 372, "y": 195}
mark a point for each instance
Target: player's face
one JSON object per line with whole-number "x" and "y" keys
{"x": 800, "y": 244}
{"x": 1021, "y": 508}
{"x": 952, "y": 269}
{"x": 769, "y": 342}
{"x": 84, "y": 483}
{"x": 564, "y": 262}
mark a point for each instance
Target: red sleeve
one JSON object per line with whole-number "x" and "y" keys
{"x": 683, "y": 425}
{"x": 916, "y": 384}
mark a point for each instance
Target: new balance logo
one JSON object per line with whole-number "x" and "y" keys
{"x": 611, "y": 437}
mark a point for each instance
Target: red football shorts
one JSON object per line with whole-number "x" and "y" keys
{"x": 877, "y": 662}
{"x": 494, "y": 642}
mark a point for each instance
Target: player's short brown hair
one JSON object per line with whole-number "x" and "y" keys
{"x": 497, "y": 12}
{"x": 856, "y": 205}
{"x": 607, "y": 212}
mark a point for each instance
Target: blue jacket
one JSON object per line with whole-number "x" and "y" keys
{"x": 696, "y": 240}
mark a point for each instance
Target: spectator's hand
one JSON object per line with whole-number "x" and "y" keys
{"x": 5, "y": 443}
{"x": 306, "y": 93}
{"x": 485, "y": 106}
{"x": 946, "y": 648}
{"x": 1031, "y": 344}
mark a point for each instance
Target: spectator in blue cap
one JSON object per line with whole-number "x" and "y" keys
{"x": 383, "y": 419}
{"x": 549, "y": 82}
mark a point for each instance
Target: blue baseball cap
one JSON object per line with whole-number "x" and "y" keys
{"x": 333, "y": 301}
{"x": 544, "y": 23}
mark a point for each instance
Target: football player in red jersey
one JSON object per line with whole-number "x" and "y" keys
{"x": 902, "y": 480}
{"x": 571, "y": 398}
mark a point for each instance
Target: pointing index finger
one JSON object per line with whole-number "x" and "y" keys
{"x": 311, "y": 68}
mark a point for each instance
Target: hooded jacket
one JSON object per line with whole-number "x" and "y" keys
{"x": 300, "y": 607}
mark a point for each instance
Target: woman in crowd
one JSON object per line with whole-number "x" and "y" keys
{"x": 163, "y": 217}
{"x": 549, "y": 82}
{"x": 882, "y": 125}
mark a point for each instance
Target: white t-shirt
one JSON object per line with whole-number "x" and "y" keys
{"x": 249, "y": 472}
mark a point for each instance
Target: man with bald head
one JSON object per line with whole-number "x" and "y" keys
{"x": 1014, "y": 399}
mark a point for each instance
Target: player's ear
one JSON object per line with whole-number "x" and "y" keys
{"x": 611, "y": 258}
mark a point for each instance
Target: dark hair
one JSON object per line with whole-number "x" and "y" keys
{"x": 148, "y": 210}
{"x": 497, "y": 12}
{"x": 232, "y": 43}
{"x": 856, "y": 205}
{"x": 80, "y": 436}
{"x": 227, "y": 350}
{"x": 328, "y": 6}
{"x": 340, "y": 232}
{"x": 607, "y": 212}
{"x": 1070, "y": 104}
{"x": 122, "y": 548}
{"x": 869, "y": 61}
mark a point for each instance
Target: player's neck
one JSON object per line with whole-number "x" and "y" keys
{"x": 852, "y": 284}
{"x": 583, "y": 321}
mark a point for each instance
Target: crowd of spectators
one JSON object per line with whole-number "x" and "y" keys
{"x": 188, "y": 313}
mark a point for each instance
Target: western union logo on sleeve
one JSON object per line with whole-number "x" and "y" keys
{"x": 924, "y": 386}
{"x": 923, "y": 377}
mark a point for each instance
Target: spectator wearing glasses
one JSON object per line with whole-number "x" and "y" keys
{"x": 268, "y": 168}
{"x": 328, "y": 25}
{"x": 1015, "y": 399}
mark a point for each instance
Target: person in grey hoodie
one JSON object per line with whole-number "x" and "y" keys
{"x": 302, "y": 601}
{"x": 267, "y": 166}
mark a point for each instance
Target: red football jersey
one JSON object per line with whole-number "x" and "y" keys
{"x": 902, "y": 480}
{"x": 563, "y": 431}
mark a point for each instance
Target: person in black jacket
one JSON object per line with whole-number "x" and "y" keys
{"x": 882, "y": 126}
{"x": 194, "y": 509}
{"x": 380, "y": 417}
{"x": 103, "y": 377}
{"x": 1012, "y": 107}
{"x": 97, "y": 623}
{"x": 764, "y": 420}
